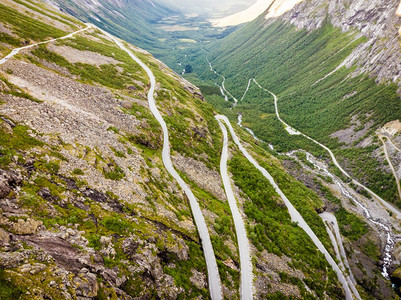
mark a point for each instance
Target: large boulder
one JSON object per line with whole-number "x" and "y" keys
{"x": 30, "y": 226}
{"x": 86, "y": 284}
{"x": 8, "y": 180}
{"x": 4, "y": 238}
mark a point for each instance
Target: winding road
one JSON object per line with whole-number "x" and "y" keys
{"x": 386, "y": 204}
{"x": 295, "y": 215}
{"x": 391, "y": 239}
{"x": 347, "y": 284}
{"x": 213, "y": 272}
{"x": 392, "y": 143}
{"x": 246, "y": 289}
{"x": 393, "y": 210}
{"x": 334, "y": 233}
{"x": 247, "y": 89}
{"x": 17, "y": 50}
{"x": 397, "y": 181}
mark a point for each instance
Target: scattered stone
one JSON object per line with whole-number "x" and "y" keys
{"x": 8, "y": 121}
{"x": 6, "y": 128}
{"x": 166, "y": 288}
{"x": 86, "y": 284}
{"x": 8, "y": 180}
{"x": 47, "y": 195}
{"x": 10, "y": 260}
{"x": 105, "y": 240}
{"x": 127, "y": 104}
{"x": 198, "y": 279}
{"x": 71, "y": 231}
{"x": 4, "y": 238}
{"x": 30, "y": 226}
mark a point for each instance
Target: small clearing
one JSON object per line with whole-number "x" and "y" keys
{"x": 392, "y": 128}
{"x": 172, "y": 28}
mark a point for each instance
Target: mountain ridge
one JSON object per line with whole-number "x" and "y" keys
{"x": 380, "y": 55}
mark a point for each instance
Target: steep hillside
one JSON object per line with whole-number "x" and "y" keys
{"x": 380, "y": 55}
{"x": 130, "y": 20}
{"x": 333, "y": 66}
{"x": 87, "y": 208}
{"x": 90, "y": 207}
{"x": 324, "y": 71}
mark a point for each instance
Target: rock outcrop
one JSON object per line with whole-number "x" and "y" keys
{"x": 376, "y": 20}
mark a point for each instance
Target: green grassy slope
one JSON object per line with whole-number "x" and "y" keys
{"x": 132, "y": 21}
{"x": 192, "y": 119}
{"x": 290, "y": 62}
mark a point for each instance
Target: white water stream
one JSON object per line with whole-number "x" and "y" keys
{"x": 390, "y": 241}
{"x": 239, "y": 123}
{"x": 226, "y": 94}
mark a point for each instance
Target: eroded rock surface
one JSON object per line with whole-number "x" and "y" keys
{"x": 377, "y": 20}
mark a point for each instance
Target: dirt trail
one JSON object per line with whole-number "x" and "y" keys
{"x": 397, "y": 180}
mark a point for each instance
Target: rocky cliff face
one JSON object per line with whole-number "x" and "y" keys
{"x": 376, "y": 20}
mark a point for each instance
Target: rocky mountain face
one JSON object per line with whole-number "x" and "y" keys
{"x": 376, "y": 20}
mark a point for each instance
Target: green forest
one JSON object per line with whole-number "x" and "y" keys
{"x": 294, "y": 64}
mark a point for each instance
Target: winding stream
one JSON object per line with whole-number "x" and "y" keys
{"x": 239, "y": 123}
{"x": 223, "y": 89}
{"x": 390, "y": 241}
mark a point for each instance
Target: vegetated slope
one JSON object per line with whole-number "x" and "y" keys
{"x": 162, "y": 31}
{"x": 294, "y": 63}
{"x": 132, "y": 21}
{"x": 87, "y": 208}
{"x": 20, "y": 30}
